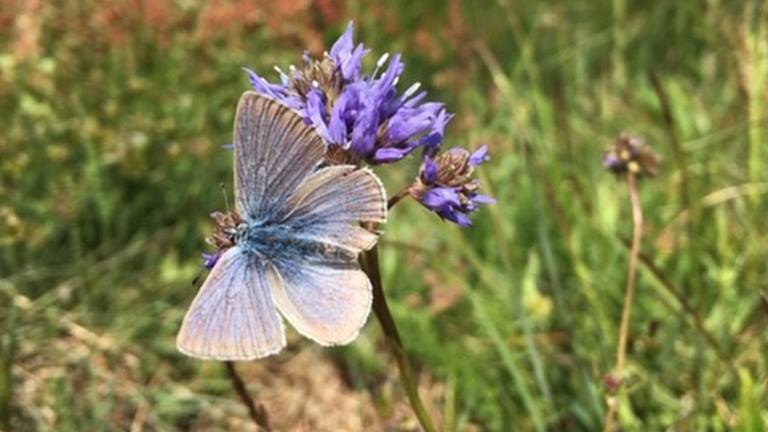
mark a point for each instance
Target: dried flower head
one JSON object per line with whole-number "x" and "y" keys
{"x": 362, "y": 116}
{"x": 223, "y": 237}
{"x": 446, "y": 186}
{"x": 631, "y": 154}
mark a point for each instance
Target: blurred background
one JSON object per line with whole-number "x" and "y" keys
{"x": 112, "y": 117}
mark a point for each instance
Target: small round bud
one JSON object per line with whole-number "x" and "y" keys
{"x": 630, "y": 154}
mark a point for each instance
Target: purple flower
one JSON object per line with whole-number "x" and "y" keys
{"x": 446, "y": 186}
{"x": 479, "y": 156}
{"x": 210, "y": 260}
{"x": 347, "y": 57}
{"x": 275, "y": 91}
{"x": 362, "y": 116}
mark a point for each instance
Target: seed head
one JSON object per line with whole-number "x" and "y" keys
{"x": 631, "y": 154}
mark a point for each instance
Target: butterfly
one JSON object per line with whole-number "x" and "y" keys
{"x": 295, "y": 248}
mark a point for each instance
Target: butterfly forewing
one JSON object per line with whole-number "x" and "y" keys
{"x": 274, "y": 151}
{"x": 233, "y": 317}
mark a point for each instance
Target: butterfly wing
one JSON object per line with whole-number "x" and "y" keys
{"x": 325, "y": 301}
{"x": 233, "y": 317}
{"x": 325, "y": 295}
{"x": 329, "y": 205}
{"x": 274, "y": 151}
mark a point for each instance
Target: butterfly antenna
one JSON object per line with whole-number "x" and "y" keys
{"x": 224, "y": 192}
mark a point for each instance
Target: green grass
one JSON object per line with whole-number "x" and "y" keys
{"x": 111, "y": 159}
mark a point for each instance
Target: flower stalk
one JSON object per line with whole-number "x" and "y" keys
{"x": 257, "y": 412}
{"x": 393, "y": 340}
{"x": 370, "y": 264}
{"x": 614, "y": 379}
{"x": 397, "y": 197}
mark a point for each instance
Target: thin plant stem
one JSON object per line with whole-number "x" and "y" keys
{"x": 394, "y": 342}
{"x": 629, "y": 296}
{"x": 257, "y": 413}
{"x": 397, "y": 197}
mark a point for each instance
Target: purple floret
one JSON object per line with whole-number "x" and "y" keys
{"x": 363, "y": 114}
{"x": 446, "y": 185}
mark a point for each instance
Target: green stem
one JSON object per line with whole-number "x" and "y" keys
{"x": 393, "y": 340}
{"x": 397, "y": 197}
{"x": 626, "y": 314}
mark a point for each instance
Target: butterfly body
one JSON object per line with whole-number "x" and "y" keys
{"x": 290, "y": 247}
{"x": 280, "y": 242}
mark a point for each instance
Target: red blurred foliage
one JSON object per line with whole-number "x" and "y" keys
{"x": 225, "y": 15}
{"x": 295, "y": 19}
{"x": 116, "y": 22}
{"x": 23, "y": 20}
{"x": 332, "y": 11}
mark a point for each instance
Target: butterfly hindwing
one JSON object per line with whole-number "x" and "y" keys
{"x": 233, "y": 317}
{"x": 328, "y": 206}
{"x": 324, "y": 294}
{"x": 328, "y": 302}
{"x": 274, "y": 151}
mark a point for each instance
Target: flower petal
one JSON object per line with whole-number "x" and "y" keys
{"x": 479, "y": 156}
{"x": 342, "y": 48}
{"x": 408, "y": 122}
{"x": 210, "y": 260}
{"x": 316, "y": 113}
{"x": 483, "y": 199}
{"x": 390, "y": 154}
{"x": 441, "y": 198}
{"x": 428, "y": 170}
{"x": 352, "y": 65}
{"x": 460, "y": 218}
{"x": 434, "y": 139}
{"x": 262, "y": 86}
{"x": 365, "y": 127}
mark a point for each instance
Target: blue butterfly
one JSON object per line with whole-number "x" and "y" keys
{"x": 295, "y": 249}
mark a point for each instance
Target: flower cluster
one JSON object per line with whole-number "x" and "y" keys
{"x": 445, "y": 184}
{"x": 630, "y": 154}
{"x": 366, "y": 120}
{"x": 362, "y": 117}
